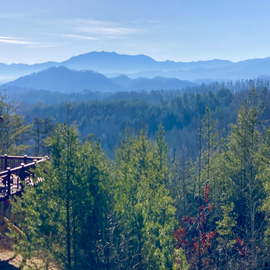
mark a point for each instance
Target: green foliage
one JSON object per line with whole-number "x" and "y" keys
{"x": 145, "y": 211}
{"x": 12, "y": 129}
{"x": 264, "y": 173}
{"x": 224, "y": 96}
{"x": 89, "y": 212}
{"x": 41, "y": 129}
{"x": 64, "y": 214}
{"x": 180, "y": 261}
{"x": 238, "y": 179}
{"x": 178, "y": 114}
{"x": 225, "y": 226}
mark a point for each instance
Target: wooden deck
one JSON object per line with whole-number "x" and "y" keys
{"x": 15, "y": 173}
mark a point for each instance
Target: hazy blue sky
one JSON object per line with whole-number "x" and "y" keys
{"x": 34, "y": 31}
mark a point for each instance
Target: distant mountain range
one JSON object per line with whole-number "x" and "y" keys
{"x": 112, "y": 64}
{"x": 64, "y": 80}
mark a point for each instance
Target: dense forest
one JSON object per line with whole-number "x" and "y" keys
{"x": 175, "y": 183}
{"x": 178, "y": 113}
{"x": 30, "y": 96}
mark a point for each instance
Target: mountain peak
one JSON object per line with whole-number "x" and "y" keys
{"x": 62, "y": 79}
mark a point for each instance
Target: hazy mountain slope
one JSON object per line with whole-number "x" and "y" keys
{"x": 194, "y": 74}
{"x": 107, "y": 62}
{"x": 10, "y": 72}
{"x": 113, "y": 62}
{"x": 135, "y": 66}
{"x": 65, "y": 80}
{"x": 140, "y": 65}
{"x": 159, "y": 83}
{"x": 147, "y": 84}
{"x": 123, "y": 80}
{"x": 250, "y": 68}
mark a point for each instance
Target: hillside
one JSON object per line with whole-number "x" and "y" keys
{"x": 64, "y": 80}
{"x": 155, "y": 83}
{"x": 112, "y": 64}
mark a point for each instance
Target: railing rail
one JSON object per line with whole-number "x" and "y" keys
{"x": 22, "y": 166}
{"x": 14, "y": 169}
{"x": 15, "y": 161}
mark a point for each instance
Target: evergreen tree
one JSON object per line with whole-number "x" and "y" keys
{"x": 238, "y": 179}
{"x": 145, "y": 211}
{"x": 41, "y": 129}
{"x": 12, "y": 128}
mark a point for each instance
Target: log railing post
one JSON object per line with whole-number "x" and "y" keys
{"x": 8, "y": 180}
{"x": 35, "y": 161}
{"x": 22, "y": 175}
{"x": 6, "y": 159}
{"x": 25, "y": 159}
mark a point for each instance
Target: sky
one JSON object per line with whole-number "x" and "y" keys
{"x": 35, "y": 31}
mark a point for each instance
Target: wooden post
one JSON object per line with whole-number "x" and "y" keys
{"x": 8, "y": 180}
{"x": 6, "y": 159}
{"x": 10, "y": 222}
{"x": 25, "y": 159}
{"x": 22, "y": 175}
{"x": 17, "y": 182}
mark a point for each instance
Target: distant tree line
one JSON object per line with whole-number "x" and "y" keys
{"x": 179, "y": 115}
{"x": 30, "y": 96}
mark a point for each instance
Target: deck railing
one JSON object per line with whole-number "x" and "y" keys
{"x": 15, "y": 161}
{"x": 13, "y": 170}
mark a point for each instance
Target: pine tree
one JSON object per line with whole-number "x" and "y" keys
{"x": 12, "y": 128}
{"x": 41, "y": 129}
{"x": 237, "y": 178}
{"x": 145, "y": 211}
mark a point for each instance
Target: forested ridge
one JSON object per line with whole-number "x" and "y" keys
{"x": 178, "y": 113}
{"x": 183, "y": 183}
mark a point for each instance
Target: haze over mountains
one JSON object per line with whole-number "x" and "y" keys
{"x": 64, "y": 80}
{"x": 113, "y": 64}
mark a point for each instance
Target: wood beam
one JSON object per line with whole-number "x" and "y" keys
{"x": 10, "y": 222}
